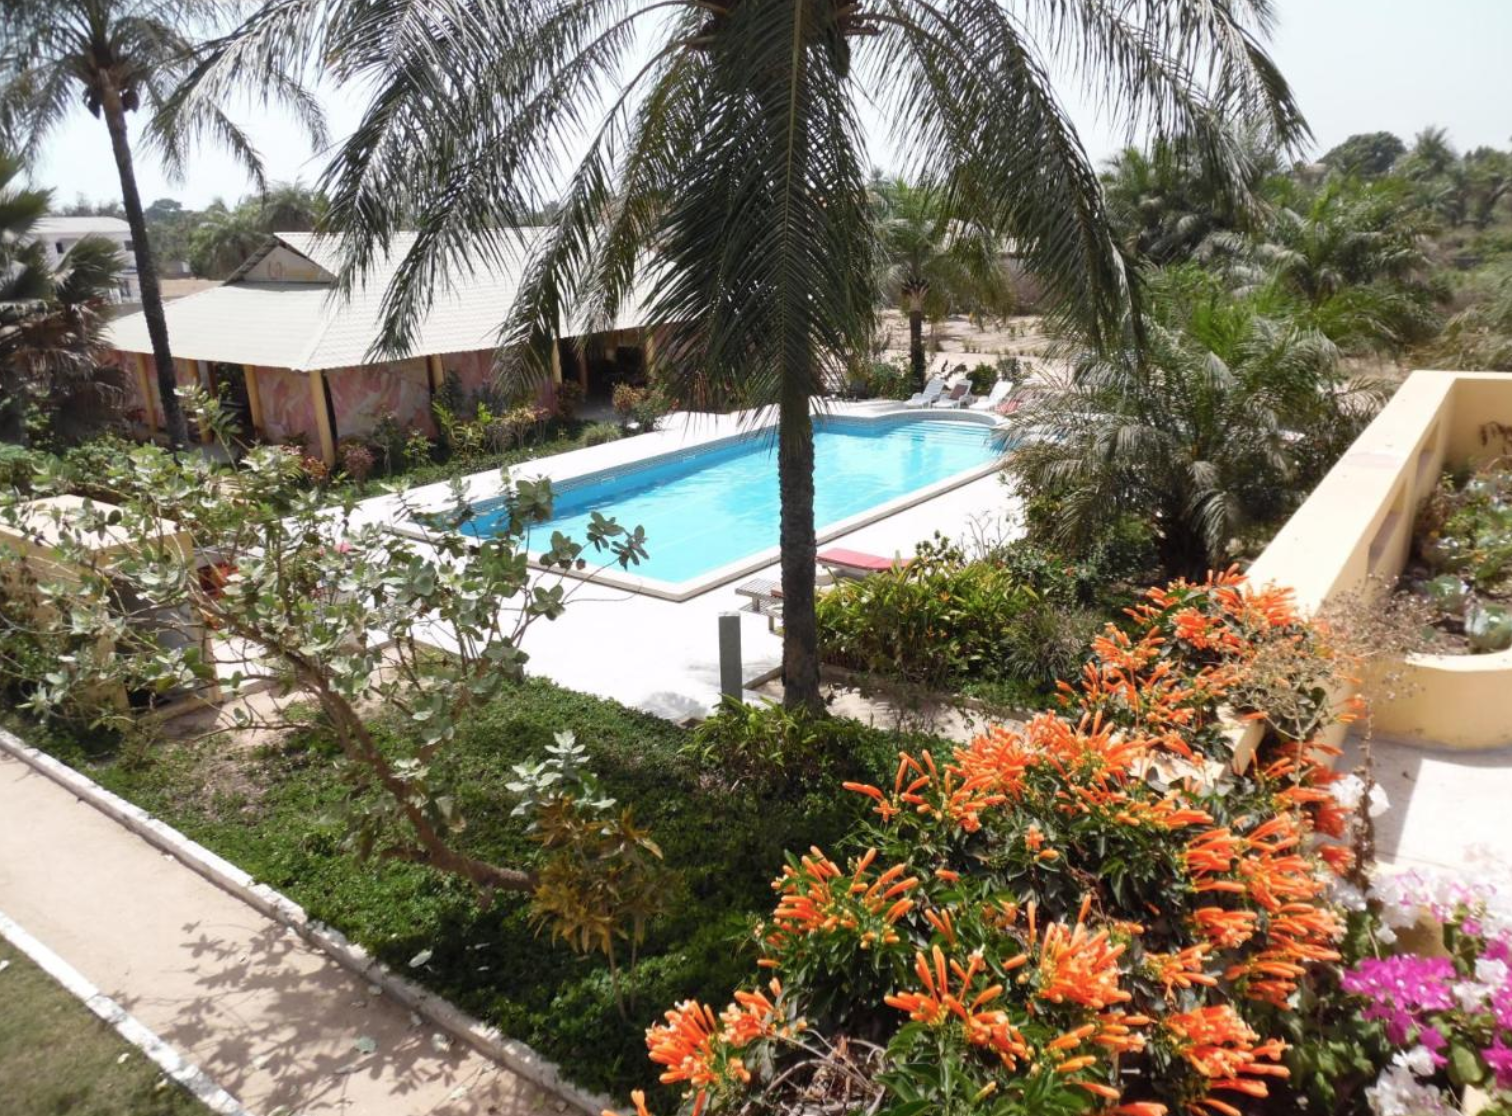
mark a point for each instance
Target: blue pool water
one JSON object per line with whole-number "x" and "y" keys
{"x": 709, "y": 507}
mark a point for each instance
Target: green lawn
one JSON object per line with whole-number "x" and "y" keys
{"x": 277, "y": 814}
{"x": 58, "y": 1059}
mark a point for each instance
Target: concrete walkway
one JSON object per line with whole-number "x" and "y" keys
{"x": 270, "y": 1019}
{"x": 1445, "y": 805}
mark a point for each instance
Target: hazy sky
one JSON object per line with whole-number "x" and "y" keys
{"x": 1356, "y": 65}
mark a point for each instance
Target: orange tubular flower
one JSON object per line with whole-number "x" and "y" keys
{"x": 814, "y": 899}
{"x": 1220, "y": 1046}
{"x": 1225, "y": 929}
{"x": 1079, "y": 967}
{"x": 684, "y": 1044}
{"x": 938, "y": 1005}
{"x": 1182, "y": 969}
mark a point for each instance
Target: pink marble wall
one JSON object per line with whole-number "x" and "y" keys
{"x": 288, "y": 411}
{"x": 363, "y": 396}
{"x": 476, "y": 371}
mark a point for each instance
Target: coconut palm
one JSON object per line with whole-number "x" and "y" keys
{"x": 1204, "y": 433}
{"x": 932, "y": 266}
{"x": 114, "y": 57}
{"x": 734, "y": 150}
{"x": 51, "y": 318}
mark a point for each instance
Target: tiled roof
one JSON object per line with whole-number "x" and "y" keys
{"x": 308, "y": 326}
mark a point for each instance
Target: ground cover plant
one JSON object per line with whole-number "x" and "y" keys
{"x": 1463, "y": 559}
{"x": 1108, "y": 910}
{"x": 277, "y": 810}
{"x": 57, "y": 1057}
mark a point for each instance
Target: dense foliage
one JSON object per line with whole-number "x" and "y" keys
{"x": 1218, "y": 427}
{"x": 944, "y": 621}
{"x": 1112, "y": 909}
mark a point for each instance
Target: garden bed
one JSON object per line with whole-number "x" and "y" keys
{"x": 1461, "y": 562}
{"x": 275, "y": 810}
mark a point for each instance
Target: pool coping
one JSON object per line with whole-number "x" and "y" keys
{"x": 749, "y": 425}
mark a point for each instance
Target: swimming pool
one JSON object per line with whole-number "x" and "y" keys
{"x": 706, "y": 508}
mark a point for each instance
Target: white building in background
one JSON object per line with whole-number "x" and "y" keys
{"x": 60, "y": 234}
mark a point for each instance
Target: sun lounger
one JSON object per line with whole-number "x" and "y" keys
{"x": 959, "y": 396}
{"x": 926, "y": 398}
{"x": 994, "y": 397}
{"x": 854, "y": 563}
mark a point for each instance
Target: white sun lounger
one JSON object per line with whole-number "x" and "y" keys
{"x": 926, "y": 398}
{"x": 996, "y": 396}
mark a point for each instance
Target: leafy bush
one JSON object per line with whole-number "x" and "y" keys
{"x": 600, "y": 432}
{"x": 569, "y": 397}
{"x": 1096, "y": 913}
{"x": 642, "y": 406}
{"x": 941, "y": 619}
{"x": 773, "y": 750}
{"x": 18, "y": 465}
{"x": 984, "y": 376}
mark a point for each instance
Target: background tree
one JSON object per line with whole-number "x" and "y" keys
{"x": 932, "y": 267}
{"x": 1366, "y": 154}
{"x": 223, "y": 238}
{"x": 1167, "y": 204}
{"x": 51, "y": 319}
{"x": 736, "y": 153}
{"x": 116, "y": 56}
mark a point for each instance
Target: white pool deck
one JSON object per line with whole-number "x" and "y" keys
{"x": 662, "y": 656}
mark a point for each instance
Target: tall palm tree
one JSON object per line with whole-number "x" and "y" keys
{"x": 51, "y": 318}
{"x": 114, "y": 57}
{"x": 735, "y": 152}
{"x": 931, "y": 265}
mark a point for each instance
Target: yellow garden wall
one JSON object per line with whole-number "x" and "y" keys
{"x": 1354, "y": 532}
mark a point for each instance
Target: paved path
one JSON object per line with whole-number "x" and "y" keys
{"x": 269, "y": 1018}
{"x": 1444, "y": 804}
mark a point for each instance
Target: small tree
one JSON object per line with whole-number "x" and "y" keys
{"x": 323, "y": 603}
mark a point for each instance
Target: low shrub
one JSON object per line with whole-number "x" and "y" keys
{"x": 943, "y": 620}
{"x": 598, "y": 433}
{"x": 1098, "y": 913}
{"x": 767, "y": 748}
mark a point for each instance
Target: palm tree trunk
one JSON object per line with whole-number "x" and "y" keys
{"x": 152, "y": 298}
{"x": 916, "y": 342}
{"x": 795, "y": 480}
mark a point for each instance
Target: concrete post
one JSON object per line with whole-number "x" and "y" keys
{"x": 731, "y": 672}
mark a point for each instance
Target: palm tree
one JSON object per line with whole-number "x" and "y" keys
{"x": 51, "y": 319}
{"x": 931, "y": 265}
{"x": 116, "y": 56}
{"x": 1166, "y": 205}
{"x": 1206, "y": 432}
{"x": 223, "y": 238}
{"x": 735, "y": 151}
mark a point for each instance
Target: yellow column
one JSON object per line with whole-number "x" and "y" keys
{"x": 649, "y": 350}
{"x": 556, "y": 361}
{"x": 323, "y": 418}
{"x": 437, "y": 374}
{"x": 254, "y": 399}
{"x": 145, "y": 386}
